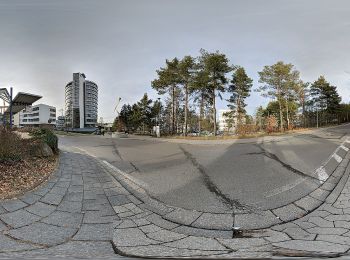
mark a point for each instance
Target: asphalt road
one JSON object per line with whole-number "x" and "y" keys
{"x": 260, "y": 173}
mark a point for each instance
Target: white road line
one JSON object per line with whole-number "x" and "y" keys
{"x": 138, "y": 182}
{"x": 344, "y": 148}
{"x": 284, "y": 188}
{"x": 337, "y": 158}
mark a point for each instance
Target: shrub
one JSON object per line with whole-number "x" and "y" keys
{"x": 10, "y": 146}
{"x": 247, "y": 129}
{"x": 271, "y": 124}
{"x": 47, "y": 136}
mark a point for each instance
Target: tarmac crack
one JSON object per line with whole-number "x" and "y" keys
{"x": 232, "y": 204}
{"x": 285, "y": 165}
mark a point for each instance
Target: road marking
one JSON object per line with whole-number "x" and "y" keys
{"x": 322, "y": 174}
{"x": 284, "y": 188}
{"x": 337, "y": 158}
{"x": 344, "y": 148}
{"x": 134, "y": 180}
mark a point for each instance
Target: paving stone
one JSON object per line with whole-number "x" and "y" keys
{"x": 327, "y": 231}
{"x": 3, "y": 226}
{"x": 328, "y": 186}
{"x": 182, "y": 216}
{"x": 331, "y": 209}
{"x": 95, "y": 232}
{"x": 318, "y": 221}
{"x": 313, "y": 246}
{"x": 64, "y": 219}
{"x": 141, "y": 222}
{"x": 131, "y": 237}
{"x": 134, "y": 200}
{"x": 305, "y": 225}
{"x": 308, "y": 203}
{"x": 11, "y": 245}
{"x": 289, "y": 212}
{"x": 19, "y": 218}
{"x": 95, "y": 217}
{"x": 320, "y": 194}
{"x": 52, "y": 198}
{"x": 275, "y": 236}
{"x": 319, "y": 213}
{"x": 164, "y": 251}
{"x": 42, "y": 191}
{"x": 197, "y": 243}
{"x": 79, "y": 249}
{"x": 76, "y": 189}
{"x": 13, "y": 205}
{"x": 74, "y": 196}
{"x": 164, "y": 235}
{"x": 59, "y": 190}
{"x": 334, "y": 239}
{"x": 150, "y": 228}
{"x": 240, "y": 243}
{"x": 2, "y": 210}
{"x": 158, "y": 221}
{"x": 41, "y": 209}
{"x": 203, "y": 232}
{"x": 41, "y": 233}
{"x": 126, "y": 214}
{"x": 342, "y": 224}
{"x": 338, "y": 217}
{"x": 214, "y": 221}
{"x": 282, "y": 227}
{"x": 126, "y": 224}
{"x": 120, "y": 209}
{"x": 256, "y": 220}
{"x": 30, "y": 198}
{"x": 298, "y": 233}
{"x": 70, "y": 206}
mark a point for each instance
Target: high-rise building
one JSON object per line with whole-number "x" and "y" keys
{"x": 81, "y": 102}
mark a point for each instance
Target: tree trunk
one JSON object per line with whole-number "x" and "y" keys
{"x": 281, "y": 115}
{"x": 214, "y": 112}
{"x": 201, "y": 114}
{"x": 186, "y": 108}
{"x": 173, "y": 111}
{"x": 288, "y": 122}
{"x": 280, "y": 106}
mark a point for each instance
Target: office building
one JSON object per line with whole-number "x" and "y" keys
{"x": 81, "y": 103}
{"x": 36, "y": 116}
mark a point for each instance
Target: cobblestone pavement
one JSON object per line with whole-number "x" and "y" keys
{"x": 72, "y": 214}
{"x": 89, "y": 209}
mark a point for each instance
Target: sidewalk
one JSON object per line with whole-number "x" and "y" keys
{"x": 87, "y": 210}
{"x": 70, "y": 215}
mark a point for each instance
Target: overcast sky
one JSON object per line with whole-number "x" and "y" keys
{"x": 120, "y": 44}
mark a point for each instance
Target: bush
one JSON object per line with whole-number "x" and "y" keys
{"x": 10, "y": 146}
{"x": 247, "y": 129}
{"x": 47, "y": 136}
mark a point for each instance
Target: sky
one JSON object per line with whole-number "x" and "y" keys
{"x": 119, "y": 44}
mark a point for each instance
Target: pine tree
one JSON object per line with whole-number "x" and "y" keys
{"x": 240, "y": 88}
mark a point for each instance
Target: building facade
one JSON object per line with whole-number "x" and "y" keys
{"x": 81, "y": 102}
{"x": 35, "y": 116}
{"x": 224, "y": 124}
{"x": 60, "y": 123}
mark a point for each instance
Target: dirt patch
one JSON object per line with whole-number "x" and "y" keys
{"x": 19, "y": 177}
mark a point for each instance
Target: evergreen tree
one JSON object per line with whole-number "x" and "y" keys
{"x": 215, "y": 65}
{"x": 240, "y": 88}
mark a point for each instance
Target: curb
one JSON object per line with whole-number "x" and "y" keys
{"x": 331, "y": 178}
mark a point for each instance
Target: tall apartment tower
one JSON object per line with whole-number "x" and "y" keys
{"x": 81, "y": 102}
